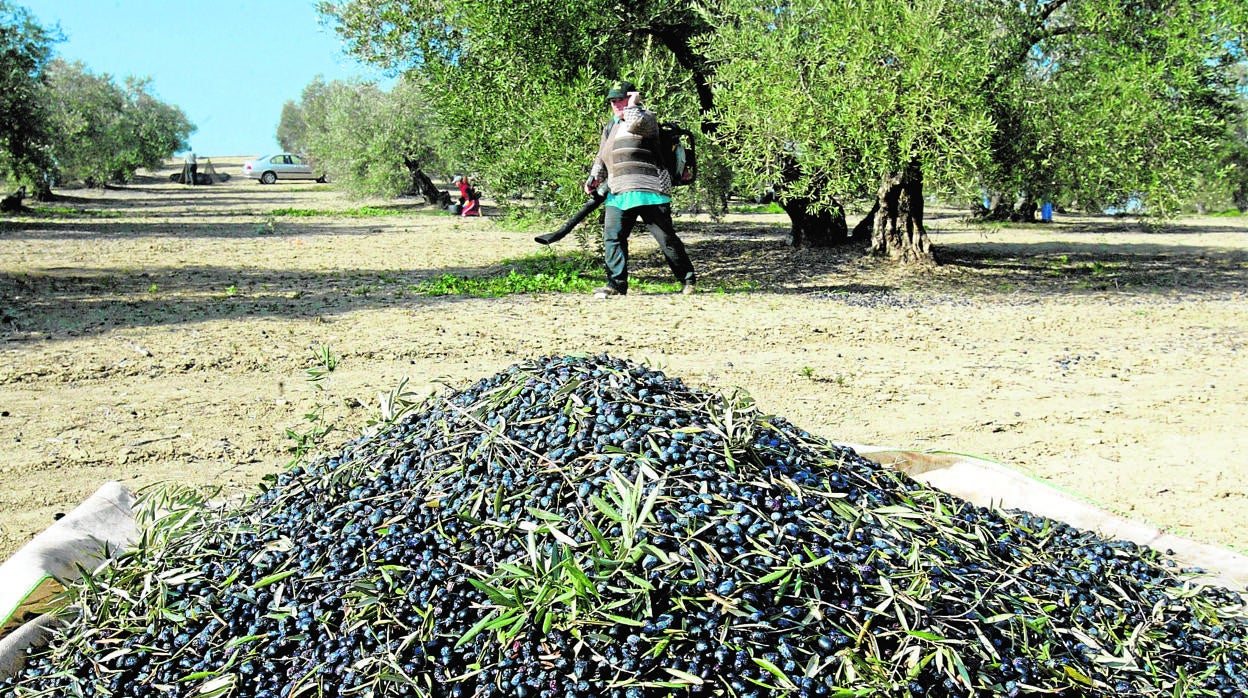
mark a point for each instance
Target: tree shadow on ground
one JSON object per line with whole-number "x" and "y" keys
{"x": 81, "y": 301}
{"x": 756, "y": 257}
{"x": 1131, "y": 270}
{"x": 730, "y": 257}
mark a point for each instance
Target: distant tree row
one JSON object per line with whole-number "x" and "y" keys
{"x": 61, "y": 123}
{"x": 862, "y": 108}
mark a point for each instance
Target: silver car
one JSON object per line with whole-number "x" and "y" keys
{"x": 271, "y": 168}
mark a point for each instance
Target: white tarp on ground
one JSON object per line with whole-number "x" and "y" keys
{"x": 32, "y": 578}
{"x": 105, "y": 523}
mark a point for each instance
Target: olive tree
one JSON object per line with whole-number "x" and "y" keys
{"x": 1098, "y": 102}
{"x": 1235, "y": 160}
{"x": 104, "y": 132}
{"x": 1089, "y": 102}
{"x": 371, "y": 141}
{"x": 292, "y": 128}
{"x": 838, "y": 104}
{"x": 1227, "y": 186}
{"x": 84, "y": 120}
{"x": 843, "y": 103}
{"x": 152, "y": 130}
{"x": 518, "y": 86}
{"x": 25, "y": 48}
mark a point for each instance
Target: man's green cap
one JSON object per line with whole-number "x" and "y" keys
{"x": 620, "y": 89}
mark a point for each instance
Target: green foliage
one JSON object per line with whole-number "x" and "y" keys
{"x": 369, "y": 141}
{"x": 292, "y": 128}
{"x": 1227, "y": 188}
{"x": 323, "y": 362}
{"x": 518, "y": 86}
{"x": 1095, "y": 105}
{"x": 1087, "y": 101}
{"x": 25, "y": 47}
{"x": 103, "y": 132}
{"x": 771, "y": 207}
{"x": 357, "y": 212}
{"x": 58, "y": 121}
{"x": 67, "y": 212}
{"x": 849, "y": 93}
{"x": 578, "y": 272}
{"x": 544, "y": 273}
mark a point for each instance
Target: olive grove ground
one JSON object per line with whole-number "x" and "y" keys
{"x": 164, "y": 333}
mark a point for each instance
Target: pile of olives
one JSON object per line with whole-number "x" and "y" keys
{"x": 585, "y": 526}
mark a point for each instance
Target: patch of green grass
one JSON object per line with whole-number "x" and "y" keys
{"x": 358, "y": 212}
{"x": 297, "y": 212}
{"x": 372, "y": 212}
{"x": 772, "y": 207}
{"x": 81, "y": 212}
{"x": 1097, "y": 268}
{"x": 1058, "y": 265}
{"x": 526, "y": 219}
{"x": 577, "y": 272}
{"x": 542, "y": 273}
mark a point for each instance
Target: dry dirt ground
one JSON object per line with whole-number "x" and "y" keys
{"x": 158, "y": 332}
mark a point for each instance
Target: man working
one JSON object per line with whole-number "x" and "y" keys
{"x": 628, "y": 159}
{"x": 190, "y": 167}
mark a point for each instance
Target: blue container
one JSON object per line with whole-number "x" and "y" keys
{"x": 1046, "y": 213}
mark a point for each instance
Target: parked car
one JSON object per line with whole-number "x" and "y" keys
{"x": 270, "y": 168}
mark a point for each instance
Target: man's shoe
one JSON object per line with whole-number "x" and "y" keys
{"x": 688, "y": 288}
{"x": 607, "y": 292}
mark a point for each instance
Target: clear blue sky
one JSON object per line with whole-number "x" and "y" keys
{"x": 230, "y": 65}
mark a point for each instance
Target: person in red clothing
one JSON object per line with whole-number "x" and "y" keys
{"x": 469, "y": 198}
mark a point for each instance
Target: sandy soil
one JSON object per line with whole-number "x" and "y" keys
{"x": 158, "y": 332}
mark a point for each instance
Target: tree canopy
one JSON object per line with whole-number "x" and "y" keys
{"x": 103, "y": 132}
{"x": 1084, "y": 102}
{"x": 369, "y": 140}
{"x": 850, "y": 92}
{"x": 25, "y": 49}
{"x": 517, "y": 87}
{"x": 292, "y": 127}
{"x": 1098, "y": 102}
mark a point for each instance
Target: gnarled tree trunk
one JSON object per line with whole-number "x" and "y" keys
{"x": 898, "y": 231}
{"x": 1004, "y": 209}
{"x": 13, "y": 202}
{"x": 425, "y": 186}
{"x": 817, "y": 228}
